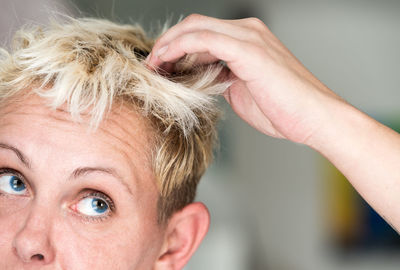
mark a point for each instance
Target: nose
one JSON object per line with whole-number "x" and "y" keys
{"x": 32, "y": 244}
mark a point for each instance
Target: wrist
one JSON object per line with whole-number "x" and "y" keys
{"x": 335, "y": 121}
{"x": 344, "y": 131}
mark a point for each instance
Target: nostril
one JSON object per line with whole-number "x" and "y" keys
{"x": 38, "y": 257}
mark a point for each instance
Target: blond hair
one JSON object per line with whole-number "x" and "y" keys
{"x": 90, "y": 64}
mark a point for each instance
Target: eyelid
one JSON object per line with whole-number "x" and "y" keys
{"x": 101, "y": 195}
{"x": 9, "y": 171}
{"x": 90, "y": 193}
{"x": 86, "y": 193}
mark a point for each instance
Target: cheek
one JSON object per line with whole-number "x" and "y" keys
{"x": 13, "y": 212}
{"x": 11, "y": 220}
{"x": 119, "y": 246}
{"x": 12, "y": 206}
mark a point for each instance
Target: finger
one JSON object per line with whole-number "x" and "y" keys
{"x": 187, "y": 63}
{"x": 166, "y": 68}
{"x": 195, "y": 23}
{"x": 246, "y": 107}
{"x": 191, "y": 23}
{"x": 251, "y": 24}
{"x": 195, "y": 59}
{"x": 235, "y": 53}
{"x": 190, "y": 61}
{"x": 201, "y": 42}
{"x": 198, "y": 59}
{"x": 203, "y": 59}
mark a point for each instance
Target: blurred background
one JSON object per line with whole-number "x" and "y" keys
{"x": 275, "y": 204}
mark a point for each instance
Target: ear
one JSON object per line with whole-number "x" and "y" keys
{"x": 185, "y": 231}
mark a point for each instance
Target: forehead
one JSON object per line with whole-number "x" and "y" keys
{"x": 123, "y": 138}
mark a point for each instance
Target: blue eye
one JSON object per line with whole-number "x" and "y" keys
{"x": 12, "y": 184}
{"x": 92, "y": 206}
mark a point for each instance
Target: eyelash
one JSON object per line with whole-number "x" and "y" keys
{"x": 97, "y": 194}
{"x": 9, "y": 171}
{"x": 88, "y": 193}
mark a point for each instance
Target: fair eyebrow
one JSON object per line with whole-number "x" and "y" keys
{"x": 18, "y": 153}
{"x": 111, "y": 171}
{"x": 76, "y": 173}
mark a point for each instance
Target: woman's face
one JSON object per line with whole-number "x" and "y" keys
{"x": 75, "y": 199}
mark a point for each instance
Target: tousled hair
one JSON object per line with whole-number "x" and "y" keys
{"x": 91, "y": 64}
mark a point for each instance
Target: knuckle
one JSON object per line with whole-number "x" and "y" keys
{"x": 256, "y": 23}
{"x": 194, "y": 18}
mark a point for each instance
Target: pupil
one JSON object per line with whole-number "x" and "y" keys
{"x": 17, "y": 184}
{"x": 99, "y": 205}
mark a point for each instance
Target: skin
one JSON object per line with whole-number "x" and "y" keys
{"x": 273, "y": 92}
{"x": 46, "y": 227}
{"x": 277, "y": 95}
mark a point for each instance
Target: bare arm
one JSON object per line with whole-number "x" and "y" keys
{"x": 277, "y": 95}
{"x": 367, "y": 153}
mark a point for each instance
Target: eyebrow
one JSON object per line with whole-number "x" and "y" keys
{"x": 87, "y": 170}
{"x": 18, "y": 153}
{"x": 76, "y": 173}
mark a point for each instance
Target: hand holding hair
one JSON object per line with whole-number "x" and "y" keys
{"x": 277, "y": 95}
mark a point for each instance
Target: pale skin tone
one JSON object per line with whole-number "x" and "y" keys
{"x": 81, "y": 199}
{"x": 54, "y": 219}
{"x": 277, "y": 95}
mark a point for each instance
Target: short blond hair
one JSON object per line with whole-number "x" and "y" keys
{"x": 90, "y": 64}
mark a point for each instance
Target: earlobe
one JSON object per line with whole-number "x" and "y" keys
{"x": 185, "y": 231}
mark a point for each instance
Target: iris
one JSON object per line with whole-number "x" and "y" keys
{"x": 99, "y": 205}
{"x": 92, "y": 206}
{"x": 17, "y": 184}
{"x": 12, "y": 184}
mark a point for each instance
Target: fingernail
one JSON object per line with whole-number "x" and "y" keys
{"x": 162, "y": 50}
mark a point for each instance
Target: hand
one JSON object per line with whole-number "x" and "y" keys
{"x": 278, "y": 96}
{"x": 273, "y": 91}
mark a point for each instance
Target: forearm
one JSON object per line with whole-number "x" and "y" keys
{"x": 366, "y": 152}
{"x": 276, "y": 94}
